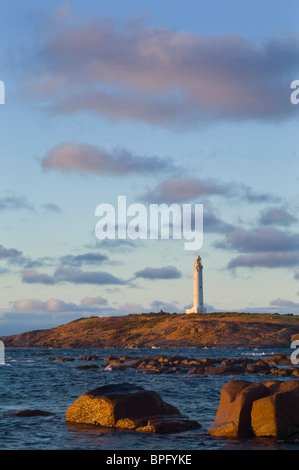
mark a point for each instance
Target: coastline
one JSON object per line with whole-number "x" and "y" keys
{"x": 166, "y": 330}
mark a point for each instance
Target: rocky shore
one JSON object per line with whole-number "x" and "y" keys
{"x": 275, "y": 365}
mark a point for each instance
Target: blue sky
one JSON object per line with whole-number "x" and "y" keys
{"x": 164, "y": 102}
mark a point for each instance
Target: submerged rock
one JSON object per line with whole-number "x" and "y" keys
{"x": 168, "y": 424}
{"x": 127, "y": 406}
{"x": 90, "y": 358}
{"x": 87, "y": 367}
{"x": 29, "y": 413}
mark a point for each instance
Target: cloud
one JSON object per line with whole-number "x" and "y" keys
{"x": 265, "y": 246}
{"x": 177, "y": 189}
{"x": 167, "y": 272}
{"x": 3, "y": 271}
{"x": 213, "y": 224}
{"x": 261, "y": 239}
{"x": 85, "y": 158}
{"x": 16, "y": 257}
{"x": 265, "y": 260}
{"x": 93, "y": 301}
{"x": 286, "y": 304}
{"x": 72, "y": 275}
{"x": 50, "y": 207}
{"x": 77, "y": 276}
{"x": 157, "y": 75}
{"x": 276, "y": 216}
{"x": 166, "y": 306}
{"x": 130, "y": 307}
{"x": 32, "y": 277}
{"x": 117, "y": 244}
{"x": 11, "y": 254}
{"x": 15, "y": 202}
{"x": 184, "y": 189}
{"x": 52, "y": 305}
{"x": 55, "y": 305}
{"x": 85, "y": 258}
{"x": 62, "y": 11}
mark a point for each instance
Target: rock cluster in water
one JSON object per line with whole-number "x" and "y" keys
{"x": 162, "y": 364}
{"x": 246, "y": 409}
{"x": 130, "y": 407}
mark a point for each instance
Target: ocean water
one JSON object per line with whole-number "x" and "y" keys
{"x": 29, "y": 380}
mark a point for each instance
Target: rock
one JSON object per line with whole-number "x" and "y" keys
{"x": 167, "y": 364}
{"x": 60, "y": 359}
{"x": 260, "y": 367}
{"x": 118, "y": 364}
{"x": 127, "y": 406}
{"x": 29, "y": 413}
{"x": 64, "y": 359}
{"x": 196, "y": 370}
{"x": 172, "y": 370}
{"x": 284, "y": 372}
{"x": 158, "y": 424}
{"x": 90, "y": 358}
{"x": 168, "y": 424}
{"x": 277, "y": 415}
{"x": 278, "y": 359}
{"x": 149, "y": 370}
{"x": 268, "y": 408}
{"x": 216, "y": 370}
{"x": 207, "y": 361}
{"x": 234, "y": 411}
{"x": 242, "y": 361}
{"x": 87, "y": 367}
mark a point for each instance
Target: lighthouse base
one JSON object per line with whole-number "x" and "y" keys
{"x": 196, "y": 310}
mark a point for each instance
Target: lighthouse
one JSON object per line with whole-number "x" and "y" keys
{"x": 198, "y": 288}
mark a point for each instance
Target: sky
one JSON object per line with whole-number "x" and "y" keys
{"x": 168, "y": 102}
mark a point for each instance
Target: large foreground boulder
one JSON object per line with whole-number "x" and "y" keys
{"x": 277, "y": 414}
{"x": 126, "y": 406}
{"x": 267, "y": 408}
{"x": 234, "y": 411}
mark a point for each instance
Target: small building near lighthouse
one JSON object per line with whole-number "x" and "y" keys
{"x": 198, "y": 305}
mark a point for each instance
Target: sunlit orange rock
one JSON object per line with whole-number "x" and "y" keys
{"x": 127, "y": 406}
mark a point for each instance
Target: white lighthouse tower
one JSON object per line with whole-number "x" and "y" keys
{"x": 198, "y": 288}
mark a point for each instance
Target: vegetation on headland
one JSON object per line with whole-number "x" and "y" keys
{"x": 165, "y": 330}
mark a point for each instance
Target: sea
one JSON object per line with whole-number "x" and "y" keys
{"x": 30, "y": 380}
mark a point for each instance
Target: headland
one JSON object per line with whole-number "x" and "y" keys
{"x": 166, "y": 330}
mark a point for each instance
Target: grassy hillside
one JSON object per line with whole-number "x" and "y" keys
{"x": 218, "y": 330}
